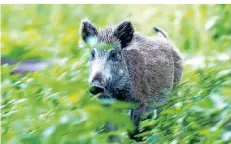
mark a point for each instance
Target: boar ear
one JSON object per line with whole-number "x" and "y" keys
{"x": 124, "y": 32}
{"x": 88, "y": 30}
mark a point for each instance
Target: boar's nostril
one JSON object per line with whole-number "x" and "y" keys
{"x": 98, "y": 77}
{"x": 97, "y": 84}
{"x": 96, "y": 89}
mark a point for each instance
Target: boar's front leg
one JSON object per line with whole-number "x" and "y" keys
{"x": 136, "y": 115}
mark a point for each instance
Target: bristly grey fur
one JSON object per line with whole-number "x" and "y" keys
{"x": 152, "y": 66}
{"x": 106, "y": 36}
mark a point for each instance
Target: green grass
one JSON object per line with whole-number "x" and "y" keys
{"x": 54, "y": 106}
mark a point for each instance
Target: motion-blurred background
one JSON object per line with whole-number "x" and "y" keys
{"x": 53, "y": 105}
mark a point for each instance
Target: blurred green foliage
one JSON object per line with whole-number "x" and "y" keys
{"x": 54, "y": 106}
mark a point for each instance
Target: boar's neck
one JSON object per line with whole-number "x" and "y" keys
{"x": 124, "y": 91}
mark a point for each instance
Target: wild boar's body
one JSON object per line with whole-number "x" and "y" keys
{"x": 143, "y": 68}
{"x": 151, "y": 68}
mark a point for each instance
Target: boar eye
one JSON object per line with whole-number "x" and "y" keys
{"x": 112, "y": 54}
{"x": 93, "y": 53}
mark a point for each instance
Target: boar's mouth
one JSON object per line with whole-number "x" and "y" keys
{"x": 96, "y": 88}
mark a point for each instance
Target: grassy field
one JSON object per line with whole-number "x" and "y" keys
{"x": 54, "y": 106}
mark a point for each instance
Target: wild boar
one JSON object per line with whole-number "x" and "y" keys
{"x": 136, "y": 69}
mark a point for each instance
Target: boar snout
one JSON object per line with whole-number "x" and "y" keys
{"x": 98, "y": 84}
